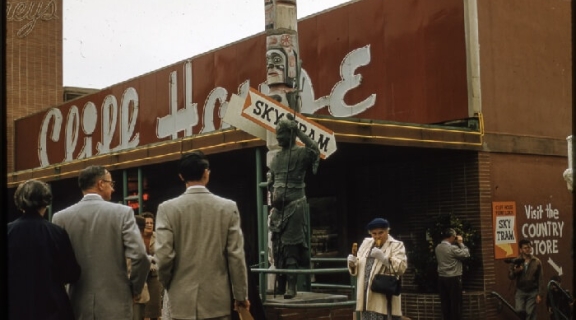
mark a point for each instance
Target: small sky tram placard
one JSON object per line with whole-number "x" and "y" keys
{"x": 505, "y": 230}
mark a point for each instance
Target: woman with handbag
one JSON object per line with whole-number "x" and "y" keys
{"x": 378, "y": 266}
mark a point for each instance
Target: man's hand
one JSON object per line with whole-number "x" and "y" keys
{"x": 459, "y": 239}
{"x": 242, "y": 304}
{"x": 538, "y": 299}
{"x": 136, "y": 298}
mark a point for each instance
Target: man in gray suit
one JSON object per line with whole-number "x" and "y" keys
{"x": 103, "y": 235}
{"x": 200, "y": 248}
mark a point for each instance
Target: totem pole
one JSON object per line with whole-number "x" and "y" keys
{"x": 282, "y": 58}
{"x": 287, "y": 161}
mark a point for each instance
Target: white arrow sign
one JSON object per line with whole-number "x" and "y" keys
{"x": 555, "y": 266}
{"x": 265, "y": 112}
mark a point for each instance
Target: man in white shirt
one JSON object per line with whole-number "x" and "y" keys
{"x": 449, "y": 254}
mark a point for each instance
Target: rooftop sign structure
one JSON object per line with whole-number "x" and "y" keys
{"x": 359, "y": 64}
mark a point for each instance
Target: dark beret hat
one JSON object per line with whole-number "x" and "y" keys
{"x": 378, "y": 223}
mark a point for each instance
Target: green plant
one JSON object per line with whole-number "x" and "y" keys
{"x": 423, "y": 257}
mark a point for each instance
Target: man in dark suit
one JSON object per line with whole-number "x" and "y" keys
{"x": 200, "y": 248}
{"x": 103, "y": 235}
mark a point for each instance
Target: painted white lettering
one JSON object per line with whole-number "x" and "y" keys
{"x": 109, "y": 119}
{"x": 72, "y": 128}
{"x": 543, "y": 247}
{"x": 558, "y": 228}
{"x": 128, "y": 137}
{"x": 533, "y": 212}
{"x": 56, "y": 115}
{"x": 243, "y": 90}
{"x": 217, "y": 94}
{"x": 89, "y": 119}
{"x": 543, "y": 229}
{"x": 128, "y": 117}
{"x": 556, "y": 267}
{"x": 309, "y": 105}
{"x": 24, "y": 10}
{"x": 189, "y": 105}
{"x": 552, "y": 213}
{"x": 183, "y": 119}
{"x": 353, "y": 60}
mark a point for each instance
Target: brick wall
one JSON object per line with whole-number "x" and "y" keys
{"x": 421, "y": 306}
{"x": 33, "y": 61}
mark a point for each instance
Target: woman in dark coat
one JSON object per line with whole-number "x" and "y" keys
{"x": 40, "y": 259}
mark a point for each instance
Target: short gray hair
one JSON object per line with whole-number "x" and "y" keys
{"x": 32, "y": 195}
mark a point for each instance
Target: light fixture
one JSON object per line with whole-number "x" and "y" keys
{"x": 568, "y": 173}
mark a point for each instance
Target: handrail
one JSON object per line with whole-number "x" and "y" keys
{"x": 506, "y": 303}
{"x": 301, "y": 271}
{"x": 335, "y": 286}
{"x": 558, "y": 315}
{"x": 328, "y": 259}
{"x": 312, "y": 305}
{"x": 351, "y": 287}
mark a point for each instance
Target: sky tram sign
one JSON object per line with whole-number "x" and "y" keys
{"x": 263, "y": 112}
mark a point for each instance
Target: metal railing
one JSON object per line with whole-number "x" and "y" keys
{"x": 555, "y": 291}
{"x": 504, "y": 302}
{"x": 351, "y": 286}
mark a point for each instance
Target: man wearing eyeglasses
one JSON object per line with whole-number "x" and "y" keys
{"x": 103, "y": 235}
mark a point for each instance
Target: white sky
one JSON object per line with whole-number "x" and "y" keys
{"x": 110, "y": 41}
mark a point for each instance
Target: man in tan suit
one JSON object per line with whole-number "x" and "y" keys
{"x": 200, "y": 248}
{"x": 103, "y": 235}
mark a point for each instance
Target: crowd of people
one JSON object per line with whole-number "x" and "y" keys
{"x": 98, "y": 260}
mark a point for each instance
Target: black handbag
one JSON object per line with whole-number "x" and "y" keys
{"x": 387, "y": 284}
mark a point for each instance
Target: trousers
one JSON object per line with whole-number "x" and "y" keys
{"x": 526, "y": 302}
{"x": 450, "y": 290}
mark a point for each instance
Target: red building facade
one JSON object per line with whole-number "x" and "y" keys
{"x": 440, "y": 106}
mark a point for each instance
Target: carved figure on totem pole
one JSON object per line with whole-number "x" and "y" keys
{"x": 282, "y": 69}
{"x": 288, "y": 221}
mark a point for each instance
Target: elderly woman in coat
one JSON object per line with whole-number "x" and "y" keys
{"x": 379, "y": 253}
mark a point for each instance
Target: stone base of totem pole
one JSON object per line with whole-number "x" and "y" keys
{"x": 277, "y": 311}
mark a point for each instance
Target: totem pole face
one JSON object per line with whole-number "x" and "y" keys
{"x": 281, "y": 61}
{"x": 276, "y": 65}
